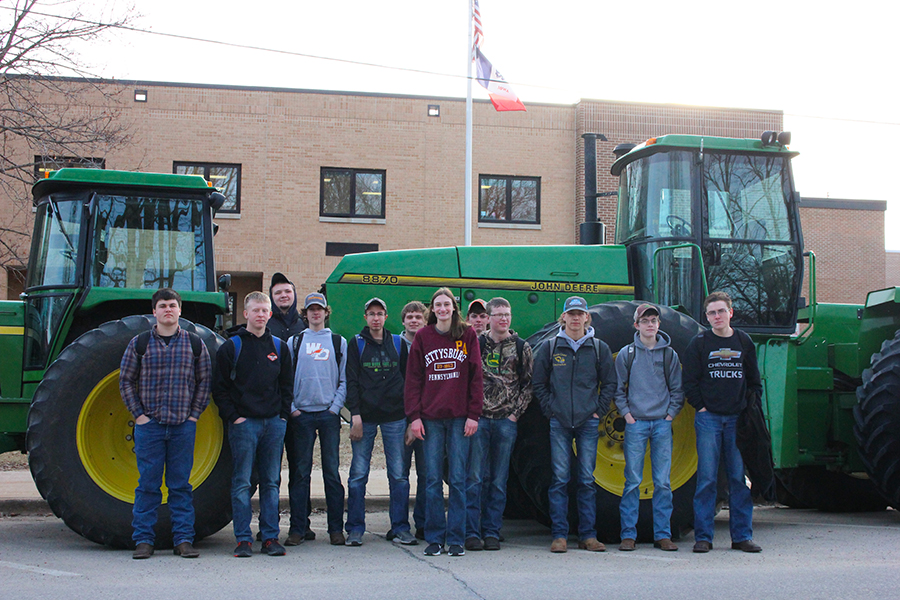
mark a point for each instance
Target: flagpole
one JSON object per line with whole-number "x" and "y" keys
{"x": 468, "y": 211}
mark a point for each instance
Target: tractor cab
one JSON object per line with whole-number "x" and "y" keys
{"x": 699, "y": 214}
{"x": 104, "y": 241}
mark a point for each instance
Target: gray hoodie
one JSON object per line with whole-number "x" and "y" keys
{"x": 647, "y": 397}
{"x": 319, "y": 382}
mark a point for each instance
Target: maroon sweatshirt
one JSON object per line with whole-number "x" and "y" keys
{"x": 443, "y": 376}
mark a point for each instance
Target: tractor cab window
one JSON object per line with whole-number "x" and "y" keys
{"x": 54, "y": 261}
{"x": 752, "y": 249}
{"x": 655, "y": 198}
{"x": 143, "y": 242}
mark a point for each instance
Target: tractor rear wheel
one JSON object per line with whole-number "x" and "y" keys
{"x": 81, "y": 442}
{"x": 877, "y": 420}
{"x": 613, "y": 323}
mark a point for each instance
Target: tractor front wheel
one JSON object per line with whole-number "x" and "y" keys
{"x": 81, "y": 442}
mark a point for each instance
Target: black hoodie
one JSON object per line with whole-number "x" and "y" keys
{"x": 375, "y": 381}
{"x": 284, "y": 325}
{"x": 263, "y": 385}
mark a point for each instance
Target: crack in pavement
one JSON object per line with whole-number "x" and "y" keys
{"x": 422, "y": 559}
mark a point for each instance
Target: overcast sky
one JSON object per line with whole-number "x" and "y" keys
{"x": 832, "y": 68}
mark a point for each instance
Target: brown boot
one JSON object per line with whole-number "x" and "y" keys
{"x": 592, "y": 545}
{"x": 665, "y": 544}
{"x": 185, "y": 550}
{"x": 559, "y": 545}
{"x": 627, "y": 545}
{"x": 142, "y": 550}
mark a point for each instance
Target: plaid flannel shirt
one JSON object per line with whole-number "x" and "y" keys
{"x": 172, "y": 385}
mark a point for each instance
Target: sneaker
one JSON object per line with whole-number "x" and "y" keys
{"x": 310, "y": 535}
{"x": 337, "y": 538}
{"x": 702, "y": 547}
{"x": 665, "y": 544}
{"x": 294, "y": 539}
{"x": 627, "y": 545}
{"x": 420, "y": 534}
{"x": 473, "y": 543}
{"x": 185, "y": 550}
{"x": 243, "y": 550}
{"x": 559, "y": 545}
{"x": 746, "y": 546}
{"x": 491, "y": 543}
{"x": 456, "y": 550}
{"x": 390, "y": 535}
{"x": 404, "y": 537}
{"x": 142, "y": 550}
{"x": 272, "y": 548}
{"x": 592, "y": 544}
{"x": 354, "y": 538}
{"x": 434, "y": 550}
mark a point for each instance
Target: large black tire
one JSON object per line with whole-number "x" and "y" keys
{"x": 828, "y": 491}
{"x": 877, "y": 420}
{"x": 613, "y": 323}
{"x": 81, "y": 448}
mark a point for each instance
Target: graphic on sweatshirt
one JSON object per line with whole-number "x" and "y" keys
{"x": 316, "y": 350}
{"x": 725, "y": 363}
{"x": 446, "y": 362}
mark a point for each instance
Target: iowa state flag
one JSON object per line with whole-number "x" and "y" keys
{"x": 502, "y": 96}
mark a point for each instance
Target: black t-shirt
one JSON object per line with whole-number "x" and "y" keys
{"x": 719, "y": 372}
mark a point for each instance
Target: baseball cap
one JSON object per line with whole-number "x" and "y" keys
{"x": 279, "y": 278}
{"x": 315, "y": 298}
{"x": 477, "y": 305}
{"x": 575, "y": 303}
{"x": 376, "y": 301}
{"x": 644, "y": 309}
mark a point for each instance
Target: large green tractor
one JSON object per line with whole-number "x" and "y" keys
{"x": 695, "y": 214}
{"x": 104, "y": 241}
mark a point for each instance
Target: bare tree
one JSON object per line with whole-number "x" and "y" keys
{"x": 51, "y": 105}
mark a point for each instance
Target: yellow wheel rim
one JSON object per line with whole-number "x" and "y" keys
{"x": 105, "y": 441}
{"x": 610, "y": 470}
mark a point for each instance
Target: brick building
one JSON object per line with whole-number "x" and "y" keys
{"x": 312, "y": 175}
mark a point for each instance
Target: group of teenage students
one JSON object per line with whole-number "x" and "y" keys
{"x": 450, "y": 390}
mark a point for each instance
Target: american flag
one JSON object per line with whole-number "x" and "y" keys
{"x": 476, "y": 21}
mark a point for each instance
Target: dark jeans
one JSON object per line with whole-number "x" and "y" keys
{"x": 392, "y": 435}
{"x": 444, "y": 438}
{"x": 171, "y": 448}
{"x": 489, "y": 455}
{"x": 259, "y": 442}
{"x": 303, "y": 430}
{"x": 417, "y": 448}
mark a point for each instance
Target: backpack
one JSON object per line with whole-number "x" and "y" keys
{"x": 668, "y": 357}
{"x": 237, "y": 352}
{"x": 361, "y": 343}
{"x": 520, "y": 347}
{"x": 143, "y": 340}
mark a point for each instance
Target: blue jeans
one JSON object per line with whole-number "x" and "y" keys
{"x": 444, "y": 438}
{"x": 260, "y": 442}
{"x": 715, "y": 439}
{"x": 303, "y": 430}
{"x": 659, "y": 433}
{"x": 417, "y": 448}
{"x": 489, "y": 454}
{"x": 392, "y": 435}
{"x": 158, "y": 447}
{"x": 586, "y": 437}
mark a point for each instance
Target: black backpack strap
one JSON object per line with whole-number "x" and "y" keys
{"x": 298, "y": 339}
{"x": 520, "y": 348}
{"x": 196, "y": 344}
{"x": 336, "y": 343}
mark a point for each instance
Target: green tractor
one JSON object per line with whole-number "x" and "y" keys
{"x": 104, "y": 241}
{"x": 695, "y": 214}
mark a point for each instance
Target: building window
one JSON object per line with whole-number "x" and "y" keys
{"x": 506, "y": 199}
{"x": 45, "y": 164}
{"x": 225, "y": 177}
{"x": 352, "y": 193}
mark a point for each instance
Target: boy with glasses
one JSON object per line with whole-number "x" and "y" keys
{"x": 649, "y": 397}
